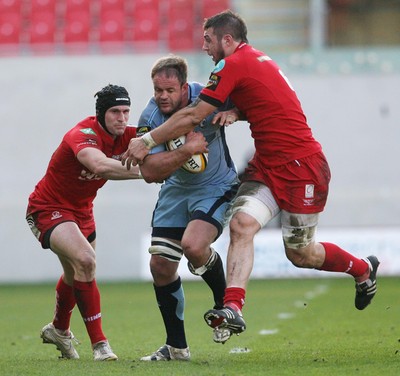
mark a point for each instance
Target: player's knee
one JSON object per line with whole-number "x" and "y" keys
{"x": 208, "y": 265}
{"x": 296, "y": 257}
{"x": 243, "y": 226}
{"x": 85, "y": 264}
{"x": 250, "y": 214}
{"x": 161, "y": 268}
{"x": 301, "y": 257}
{"x": 194, "y": 252}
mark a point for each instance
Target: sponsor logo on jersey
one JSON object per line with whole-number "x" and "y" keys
{"x": 213, "y": 82}
{"x": 88, "y": 131}
{"x": 89, "y": 141}
{"x": 87, "y": 175}
{"x": 141, "y": 130}
{"x": 220, "y": 65}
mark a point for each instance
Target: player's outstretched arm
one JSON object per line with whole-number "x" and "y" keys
{"x": 107, "y": 168}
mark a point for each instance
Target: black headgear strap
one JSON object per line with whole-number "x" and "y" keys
{"x": 110, "y": 96}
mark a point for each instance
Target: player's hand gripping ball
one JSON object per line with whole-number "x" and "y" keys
{"x": 196, "y": 163}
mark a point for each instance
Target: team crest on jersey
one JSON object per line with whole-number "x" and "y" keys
{"x": 88, "y": 131}
{"x": 55, "y": 215}
{"x": 213, "y": 82}
{"x": 141, "y": 130}
{"x": 219, "y": 66}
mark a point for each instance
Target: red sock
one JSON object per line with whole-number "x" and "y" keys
{"x": 234, "y": 297}
{"x": 65, "y": 303}
{"x": 88, "y": 300}
{"x": 338, "y": 260}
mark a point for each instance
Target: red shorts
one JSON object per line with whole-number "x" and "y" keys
{"x": 300, "y": 186}
{"x": 43, "y": 222}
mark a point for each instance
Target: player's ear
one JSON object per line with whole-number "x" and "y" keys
{"x": 227, "y": 40}
{"x": 185, "y": 90}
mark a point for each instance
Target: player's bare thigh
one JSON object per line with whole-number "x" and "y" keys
{"x": 68, "y": 242}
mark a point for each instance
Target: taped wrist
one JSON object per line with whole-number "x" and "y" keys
{"x": 148, "y": 140}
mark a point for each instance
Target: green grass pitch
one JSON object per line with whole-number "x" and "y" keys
{"x": 294, "y": 327}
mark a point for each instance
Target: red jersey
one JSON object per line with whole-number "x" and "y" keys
{"x": 67, "y": 183}
{"x": 265, "y": 97}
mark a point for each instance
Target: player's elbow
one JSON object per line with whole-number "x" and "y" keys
{"x": 150, "y": 177}
{"x": 196, "y": 119}
{"x": 101, "y": 170}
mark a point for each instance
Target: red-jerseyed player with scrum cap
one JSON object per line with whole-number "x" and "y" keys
{"x": 288, "y": 173}
{"x": 60, "y": 214}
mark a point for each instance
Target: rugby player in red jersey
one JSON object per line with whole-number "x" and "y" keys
{"x": 288, "y": 173}
{"x": 60, "y": 214}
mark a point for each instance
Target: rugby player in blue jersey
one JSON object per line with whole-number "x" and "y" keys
{"x": 192, "y": 208}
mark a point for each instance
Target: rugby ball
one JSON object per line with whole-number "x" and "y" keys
{"x": 196, "y": 163}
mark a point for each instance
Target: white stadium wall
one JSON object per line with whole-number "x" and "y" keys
{"x": 355, "y": 117}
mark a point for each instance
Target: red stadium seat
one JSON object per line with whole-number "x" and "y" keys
{"x": 42, "y": 28}
{"x": 112, "y": 26}
{"x": 76, "y": 33}
{"x": 181, "y": 5}
{"x": 77, "y": 5}
{"x": 43, "y": 6}
{"x": 181, "y": 24}
{"x": 10, "y": 28}
{"x": 211, "y": 7}
{"x": 146, "y": 25}
{"x": 146, "y": 4}
{"x": 110, "y": 5}
{"x": 77, "y": 27}
{"x": 7, "y": 6}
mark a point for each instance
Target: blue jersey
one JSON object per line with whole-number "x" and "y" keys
{"x": 220, "y": 168}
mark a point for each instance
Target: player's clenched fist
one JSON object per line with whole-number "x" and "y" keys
{"x": 136, "y": 152}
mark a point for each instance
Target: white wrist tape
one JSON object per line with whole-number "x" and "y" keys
{"x": 148, "y": 140}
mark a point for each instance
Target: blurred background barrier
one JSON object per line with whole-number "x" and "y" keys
{"x": 342, "y": 57}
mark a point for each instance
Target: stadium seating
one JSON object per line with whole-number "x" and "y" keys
{"x": 112, "y": 26}
{"x": 146, "y": 24}
{"x": 181, "y": 18}
{"x": 111, "y": 5}
{"x": 77, "y": 27}
{"x": 62, "y": 25}
{"x": 77, "y": 5}
{"x": 10, "y": 6}
{"x": 42, "y": 27}
{"x": 43, "y": 6}
{"x": 211, "y": 7}
{"x": 10, "y": 27}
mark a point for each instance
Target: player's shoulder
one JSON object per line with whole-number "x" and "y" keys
{"x": 150, "y": 114}
{"x": 130, "y": 131}
{"x": 195, "y": 86}
{"x": 86, "y": 127}
{"x": 194, "y": 89}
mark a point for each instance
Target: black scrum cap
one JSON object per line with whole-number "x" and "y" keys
{"x": 110, "y": 96}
